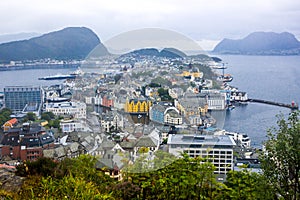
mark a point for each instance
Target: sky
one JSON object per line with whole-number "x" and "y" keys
{"x": 205, "y": 21}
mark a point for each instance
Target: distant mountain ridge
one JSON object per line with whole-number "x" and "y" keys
{"x": 68, "y": 43}
{"x": 166, "y": 52}
{"x": 261, "y": 43}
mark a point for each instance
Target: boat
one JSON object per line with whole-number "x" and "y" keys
{"x": 218, "y": 67}
{"x": 58, "y": 77}
{"x": 225, "y": 78}
{"x": 77, "y": 72}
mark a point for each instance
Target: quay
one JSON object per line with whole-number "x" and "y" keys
{"x": 292, "y": 106}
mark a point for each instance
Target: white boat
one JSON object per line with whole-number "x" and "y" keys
{"x": 225, "y": 78}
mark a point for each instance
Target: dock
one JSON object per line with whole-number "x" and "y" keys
{"x": 292, "y": 106}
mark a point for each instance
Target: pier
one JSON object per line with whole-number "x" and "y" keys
{"x": 292, "y": 106}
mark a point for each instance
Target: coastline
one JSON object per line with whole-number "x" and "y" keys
{"x": 38, "y": 66}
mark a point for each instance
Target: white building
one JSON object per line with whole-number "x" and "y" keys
{"x": 112, "y": 119}
{"x": 75, "y": 109}
{"x": 216, "y": 149}
{"x": 68, "y": 126}
{"x": 238, "y": 96}
{"x": 216, "y": 100}
{"x": 243, "y": 139}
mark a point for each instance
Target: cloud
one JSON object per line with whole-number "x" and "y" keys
{"x": 198, "y": 19}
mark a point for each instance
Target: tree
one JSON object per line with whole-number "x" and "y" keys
{"x": 47, "y": 116}
{"x": 31, "y": 116}
{"x": 4, "y": 115}
{"x": 244, "y": 185}
{"x": 281, "y": 161}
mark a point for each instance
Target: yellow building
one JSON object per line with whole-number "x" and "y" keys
{"x": 194, "y": 74}
{"x": 137, "y": 106}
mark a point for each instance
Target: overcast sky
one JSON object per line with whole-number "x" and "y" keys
{"x": 201, "y": 20}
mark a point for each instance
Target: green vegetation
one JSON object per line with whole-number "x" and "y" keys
{"x": 140, "y": 74}
{"x": 161, "y": 81}
{"x": 47, "y": 116}
{"x": 281, "y": 162}
{"x": 69, "y": 179}
{"x": 4, "y": 115}
{"x": 69, "y": 43}
{"x": 207, "y": 72}
{"x": 164, "y": 94}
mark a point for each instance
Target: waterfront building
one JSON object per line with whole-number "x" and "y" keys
{"x": 74, "y": 109}
{"x": 239, "y": 96}
{"x": 17, "y": 97}
{"x": 215, "y": 149}
{"x": 216, "y": 99}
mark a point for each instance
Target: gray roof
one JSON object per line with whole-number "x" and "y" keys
{"x": 110, "y": 160}
{"x": 202, "y": 140}
{"x": 146, "y": 141}
{"x": 158, "y": 107}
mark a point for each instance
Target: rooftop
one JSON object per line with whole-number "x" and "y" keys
{"x": 204, "y": 140}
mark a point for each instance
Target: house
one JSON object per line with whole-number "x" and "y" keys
{"x": 111, "y": 120}
{"x": 239, "y": 96}
{"x": 26, "y": 142}
{"x": 165, "y": 113}
{"x": 9, "y": 124}
{"x": 192, "y": 107}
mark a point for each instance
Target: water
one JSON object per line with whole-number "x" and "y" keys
{"x": 30, "y": 77}
{"x": 274, "y": 78}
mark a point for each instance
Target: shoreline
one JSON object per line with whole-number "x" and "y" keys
{"x": 38, "y": 66}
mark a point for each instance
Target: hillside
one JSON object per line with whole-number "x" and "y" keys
{"x": 261, "y": 43}
{"x": 68, "y": 43}
{"x": 166, "y": 52}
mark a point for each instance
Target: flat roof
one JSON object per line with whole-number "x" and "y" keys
{"x": 205, "y": 140}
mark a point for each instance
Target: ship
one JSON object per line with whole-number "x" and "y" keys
{"x": 225, "y": 78}
{"x": 58, "y": 77}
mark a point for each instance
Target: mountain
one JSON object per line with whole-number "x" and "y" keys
{"x": 261, "y": 43}
{"x": 68, "y": 43}
{"x": 17, "y": 36}
{"x": 166, "y": 52}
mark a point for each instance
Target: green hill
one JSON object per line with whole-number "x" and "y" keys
{"x": 68, "y": 43}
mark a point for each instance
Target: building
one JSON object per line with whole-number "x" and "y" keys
{"x": 112, "y": 120}
{"x": 9, "y": 124}
{"x": 165, "y": 114}
{"x": 137, "y": 106}
{"x": 216, "y": 99}
{"x": 26, "y": 142}
{"x": 216, "y": 149}
{"x": 17, "y": 97}
{"x": 192, "y": 107}
{"x": 68, "y": 126}
{"x": 239, "y": 96}
{"x": 75, "y": 109}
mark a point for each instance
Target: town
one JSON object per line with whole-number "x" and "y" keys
{"x": 123, "y": 107}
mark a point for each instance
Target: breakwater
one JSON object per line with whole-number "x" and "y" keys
{"x": 292, "y": 106}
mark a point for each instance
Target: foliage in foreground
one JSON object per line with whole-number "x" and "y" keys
{"x": 183, "y": 178}
{"x": 281, "y": 162}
